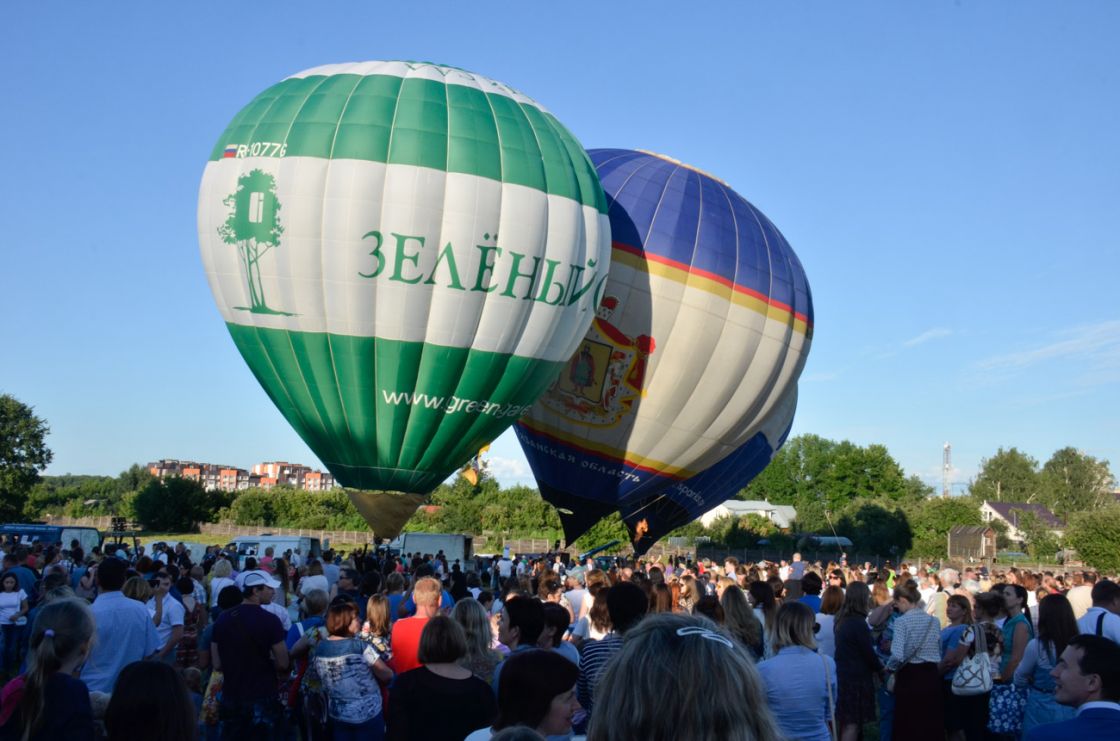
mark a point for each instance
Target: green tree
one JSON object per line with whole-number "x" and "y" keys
{"x": 1008, "y": 476}
{"x": 1072, "y": 481}
{"x": 175, "y": 505}
{"x": 1095, "y": 535}
{"x": 23, "y": 454}
{"x": 932, "y": 519}
{"x": 254, "y": 227}
{"x": 876, "y": 528}
{"x": 821, "y": 478}
{"x": 604, "y": 531}
{"x": 1038, "y": 538}
{"x": 134, "y": 479}
{"x": 254, "y": 507}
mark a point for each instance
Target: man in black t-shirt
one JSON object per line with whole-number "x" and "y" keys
{"x": 248, "y": 647}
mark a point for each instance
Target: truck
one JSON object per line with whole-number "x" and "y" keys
{"x": 455, "y": 547}
{"x": 29, "y": 533}
{"x": 254, "y": 545}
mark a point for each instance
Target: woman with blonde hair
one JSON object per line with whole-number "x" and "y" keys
{"x": 48, "y": 702}
{"x": 138, "y": 589}
{"x": 705, "y": 687}
{"x": 480, "y": 658}
{"x": 722, "y": 584}
{"x": 219, "y": 580}
{"x": 800, "y": 683}
{"x": 741, "y": 622}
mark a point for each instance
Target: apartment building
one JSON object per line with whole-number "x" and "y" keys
{"x": 216, "y": 477}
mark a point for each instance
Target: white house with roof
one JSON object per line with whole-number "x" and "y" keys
{"x": 1009, "y": 513}
{"x": 782, "y": 515}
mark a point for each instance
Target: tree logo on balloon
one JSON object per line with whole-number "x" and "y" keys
{"x": 253, "y": 226}
{"x": 605, "y": 376}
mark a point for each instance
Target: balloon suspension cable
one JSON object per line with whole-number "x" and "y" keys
{"x": 830, "y": 527}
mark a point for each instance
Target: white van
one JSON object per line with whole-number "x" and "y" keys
{"x": 255, "y": 545}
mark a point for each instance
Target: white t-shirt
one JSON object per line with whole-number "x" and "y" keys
{"x": 279, "y": 611}
{"x": 584, "y": 629}
{"x": 9, "y": 605}
{"x": 505, "y": 568}
{"x": 173, "y": 614}
{"x": 575, "y": 598}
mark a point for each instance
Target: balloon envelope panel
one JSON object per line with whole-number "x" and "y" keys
{"x": 702, "y": 331}
{"x": 405, "y": 254}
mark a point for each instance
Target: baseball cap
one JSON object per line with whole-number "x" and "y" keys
{"x": 260, "y": 579}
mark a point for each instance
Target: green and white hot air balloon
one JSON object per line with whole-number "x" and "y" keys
{"x": 406, "y": 255}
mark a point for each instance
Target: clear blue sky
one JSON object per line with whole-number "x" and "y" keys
{"x": 948, "y": 173}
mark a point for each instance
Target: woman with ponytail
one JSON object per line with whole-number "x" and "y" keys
{"x": 48, "y": 702}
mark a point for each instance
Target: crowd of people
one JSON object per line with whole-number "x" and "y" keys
{"x": 371, "y": 645}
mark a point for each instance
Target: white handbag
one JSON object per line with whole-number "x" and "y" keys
{"x": 974, "y": 674}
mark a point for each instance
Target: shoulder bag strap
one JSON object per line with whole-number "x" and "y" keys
{"x": 918, "y": 645}
{"x": 1100, "y": 623}
{"x": 831, "y": 704}
{"x": 979, "y": 639}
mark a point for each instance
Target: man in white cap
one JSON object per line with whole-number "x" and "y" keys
{"x": 249, "y": 647}
{"x": 262, "y": 577}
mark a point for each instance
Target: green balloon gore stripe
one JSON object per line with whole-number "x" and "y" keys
{"x": 414, "y": 121}
{"x": 387, "y": 414}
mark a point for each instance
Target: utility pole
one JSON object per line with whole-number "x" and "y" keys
{"x": 946, "y": 470}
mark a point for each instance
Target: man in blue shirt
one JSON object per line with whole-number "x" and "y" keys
{"x": 1087, "y": 677}
{"x": 125, "y": 630}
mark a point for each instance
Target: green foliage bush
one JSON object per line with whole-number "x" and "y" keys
{"x": 1096, "y": 538}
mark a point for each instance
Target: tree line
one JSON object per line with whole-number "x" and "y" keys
{"x": 837, "y": 487}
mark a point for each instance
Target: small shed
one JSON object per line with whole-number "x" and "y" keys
{"x": 972, "y": 542}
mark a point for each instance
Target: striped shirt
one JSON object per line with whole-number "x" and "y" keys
{"x": 917, "y": 639}
{"x": 592, "y": 661}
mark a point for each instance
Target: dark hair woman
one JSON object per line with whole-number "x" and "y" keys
{"x": 465, "y": 702}
{"x": 13, "y": 620}
{"x": 151, "y": 702}
{"x": 536, "y": 689}
{"x": 856, "y": 663}
{"x": 766, "y": 608}
{"x": 1005, "y": 707}
{"x": 195, "y": 616}
{"x": 1056, "y": 626}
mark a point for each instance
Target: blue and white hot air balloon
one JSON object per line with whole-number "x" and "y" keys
{"x": 686, "y": 383}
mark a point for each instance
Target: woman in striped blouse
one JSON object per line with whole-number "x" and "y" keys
{"x": 915, "y": 653}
